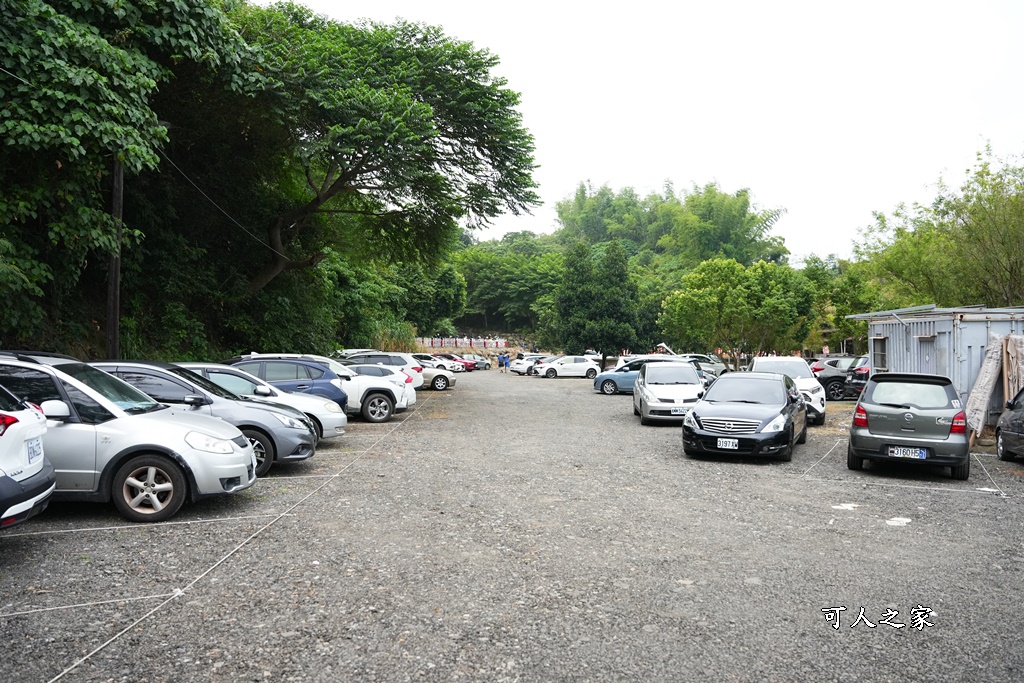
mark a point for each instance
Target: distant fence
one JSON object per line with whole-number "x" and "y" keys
{"x": 473, "y": 342}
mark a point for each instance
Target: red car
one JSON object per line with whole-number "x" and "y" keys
{"x": 470, "y": 365}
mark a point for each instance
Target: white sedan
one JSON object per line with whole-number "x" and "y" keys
{"x": 569, "y": 366}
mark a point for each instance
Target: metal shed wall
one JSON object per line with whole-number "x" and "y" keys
{"x": 951, "y": 344}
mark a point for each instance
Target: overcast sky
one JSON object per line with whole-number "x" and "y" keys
{"x": 828, "y": 110}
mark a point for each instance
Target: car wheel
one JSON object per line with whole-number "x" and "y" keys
{"x": 635, "y": 411}
{"x": 961, "y": 472}
{"x": 835, "y": 391}
{"x": 148, "y": 488}
{"x": 377, "y": 408}
{"x": 852, "y": 461}
{"x": 609, "y": 387}
{"x": 1001, "y": 450}
{"x": 820, "y": 420}
{"x": 440, "y": 383}
{"x": 644, "y": 420}
{"x": 550, "y": 373}
{"x": 786, "y": 455}
{"x": 262, "y": 448}
{"x": 591, "y": 373}
{"x": 803, "y": 434}
{"x": 317, "y": 426}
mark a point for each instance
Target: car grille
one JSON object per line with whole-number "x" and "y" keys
{"x": 730, "y": 425}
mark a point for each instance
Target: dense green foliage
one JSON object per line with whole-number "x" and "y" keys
{"x": 296, "y": 183}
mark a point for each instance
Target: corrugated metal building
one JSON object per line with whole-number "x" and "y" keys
{"x": 941, "y": 341}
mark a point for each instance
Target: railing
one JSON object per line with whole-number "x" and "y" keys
{"x": 462, "y": 342}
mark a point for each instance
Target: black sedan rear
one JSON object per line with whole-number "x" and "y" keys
{"x": 747, "y": 413}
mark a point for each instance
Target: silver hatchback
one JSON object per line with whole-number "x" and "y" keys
{"x": 909, "y": 417}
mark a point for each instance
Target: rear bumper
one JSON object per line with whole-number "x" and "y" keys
{"x": 22, "y": 500}
{"x": 953, "y": 451}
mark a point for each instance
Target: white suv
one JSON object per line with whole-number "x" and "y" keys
{"x": 799, "y": 371}
{"x": 108, "y": 440}
{"x": 26, "y": 477}
{"x": 405, "y": 362}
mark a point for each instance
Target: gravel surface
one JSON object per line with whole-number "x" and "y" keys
{"x": 526, "y": 529}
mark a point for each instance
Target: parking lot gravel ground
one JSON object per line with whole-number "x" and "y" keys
{"x": 527, "y": 529}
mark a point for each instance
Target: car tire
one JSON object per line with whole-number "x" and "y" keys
{"x": 439, "y": 383}
{"x": 609, "y": 387}
{"x": 643, "y": 419}
{"x": 635, "y": 411}
{"x": 835, "y": 391}
{"x": 377, "y": 408}
{"x": 852, "y": 461}
{"x": 961, "y": 472}
{"x": 550, "y": 373}
{"x": 591, "y": 373}
{"x": 317, "y": 426}
{"x": 1002, "y": 452}
{"x": 820, "y": 421}
{"x": 487, "y": 366}
{"x": 786, "y": 455}
{"x": 149, "y": 472}
{"x": 263, "y": 449}
{"x": 803, "y": 434}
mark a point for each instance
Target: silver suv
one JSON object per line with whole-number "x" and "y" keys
{"x": 109, "y": 441}
{"x": 277, "y": 433}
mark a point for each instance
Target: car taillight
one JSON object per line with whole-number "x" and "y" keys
{"x": 959, "y": 424}
{"x": 5, "y": 422}
{"x": 408, "y": 377}
{"x": 863, "y": 370}
{"x": 860, "y": 417}
{"x": 417, "y": 368}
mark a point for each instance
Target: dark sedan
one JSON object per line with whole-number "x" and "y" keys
{"x": 747, "y": 413}
{"x": 1010, "y": 430}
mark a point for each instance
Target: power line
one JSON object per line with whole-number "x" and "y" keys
{"x": 229, "y": 216}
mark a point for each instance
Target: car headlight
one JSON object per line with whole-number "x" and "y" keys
{"x": 690, "y": 421}
{"x": 289, "y": 422}
{"x": 776, "y": 425}
{"x": 209, "y": 444}
{"x": 817, "y": 389}
{"x": 332, "y": 407}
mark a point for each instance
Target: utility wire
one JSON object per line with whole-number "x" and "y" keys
{"x": 246, "y": 230}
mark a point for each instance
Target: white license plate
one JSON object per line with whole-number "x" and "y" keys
{"x": 903, "y": 452}
{"x": 679, "y": 410}
{"x": 35, "y": 449}
{"x": 729, "y": 443}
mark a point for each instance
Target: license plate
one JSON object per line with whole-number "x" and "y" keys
{"x": 35, "y": 449}
{"x": 679, "y": 410}
{"x": 729, "y": 443}
{"x": 903, "y": 452}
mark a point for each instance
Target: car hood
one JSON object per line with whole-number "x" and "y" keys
{"x": 747, "y": 411}
{"x": 675, "y": 391}
{"x": 272, "y": 405}
{"x": 806, "y": 383}
{"x": 182, "y": 419}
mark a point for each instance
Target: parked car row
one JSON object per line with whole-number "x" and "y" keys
{"x": 149, "y": 436}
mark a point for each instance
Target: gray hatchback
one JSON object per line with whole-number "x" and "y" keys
{"x": 277, "y": 433}
{"x": 909, "y": 417}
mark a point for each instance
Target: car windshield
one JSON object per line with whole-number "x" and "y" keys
{"x": 792, "y": 368}
{"x": 336, "y": 367}
{"x": 907, "y": 394}
{"x": 660, "y": 373}
{"x": 120, "y": 393}
{"x": 203, "y": 383}
{"x": 735, "y": 389}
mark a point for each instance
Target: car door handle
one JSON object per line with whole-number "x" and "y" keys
{"x": 302, "y": 386}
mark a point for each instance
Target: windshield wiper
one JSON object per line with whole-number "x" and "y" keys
{"x": 744, "y": 400}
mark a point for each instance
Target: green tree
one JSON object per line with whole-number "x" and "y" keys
{"x": 401, "y": 126}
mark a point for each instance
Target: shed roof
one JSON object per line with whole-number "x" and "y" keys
{"x": 931, "y": 311}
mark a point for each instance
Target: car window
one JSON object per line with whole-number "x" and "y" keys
{"x": 663, "y": 373}
{"x": 32, "y": 385}
{"x": 919, "y": 394}
{"x": 746, "y": 390}
{"x": 283, "y": 372}
{"x": 368, "y": 370}
{"x": 634, "y": 366}
{"x": 89, "y": 411}
{"x": 232, "y": 382}
{"x": 10, "y": 402}
{"x": 160, "y": 388}
{"x": 203, "y": 383}
{"x": 117, "y": 391}
{"x": 789, "y": 368}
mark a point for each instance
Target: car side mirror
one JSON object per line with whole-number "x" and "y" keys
{"x": 261, "y": 390}
{"x": 1009, "y": 404}
{"x": 195, "y": 400}
{"x": 700, "y": 394}
{"x": 56, "y": 410}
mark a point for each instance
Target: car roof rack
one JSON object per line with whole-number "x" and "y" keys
{"x": 33, "y": 356}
